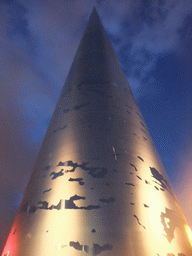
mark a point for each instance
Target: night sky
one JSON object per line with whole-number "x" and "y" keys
{"x": 38, "y": 41}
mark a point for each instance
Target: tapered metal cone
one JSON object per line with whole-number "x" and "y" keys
{"x": 98, "y": 186}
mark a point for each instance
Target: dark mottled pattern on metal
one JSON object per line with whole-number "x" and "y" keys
{"x": 76, "y": 245}
{"x": 159, "y": 177}
{"x": 46, "y": 168}
{"x": 139, "y": 177}
{"x": 27, "y": 208}
{"x": 96, "y": 172}
{"x": 77, "y": 107}
{"x": 129, "y": 184}
{"x": 69, "y": 204}
{"x": 57, "y": 174}
{"x": 134, "y": 167}
{"x": 140, "y": 158}
{"x": 59, "y": 129}
{"x": 80, "y": 180}
{"x": 138, "y": 221}
{"x": 110, "y": 200}
{"x": 45, "y": 191}
{"x": 95, "y": 250}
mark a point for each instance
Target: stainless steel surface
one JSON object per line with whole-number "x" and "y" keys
{"x": 98, "y": 186}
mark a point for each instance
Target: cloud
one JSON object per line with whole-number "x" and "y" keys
{"x": 184, "y": 49}
{"x": 144, "y": 38}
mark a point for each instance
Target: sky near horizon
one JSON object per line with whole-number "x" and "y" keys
{"x": 38, "y": 41}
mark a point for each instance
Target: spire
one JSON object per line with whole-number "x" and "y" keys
{"x": 94, "y": 38}
{"x": 98, "y": 185}
{"x": 95, "y": 57}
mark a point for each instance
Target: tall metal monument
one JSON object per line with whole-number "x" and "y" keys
{"x": 98, "y": 186}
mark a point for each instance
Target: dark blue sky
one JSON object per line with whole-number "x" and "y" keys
{"x": 38, "y": 41}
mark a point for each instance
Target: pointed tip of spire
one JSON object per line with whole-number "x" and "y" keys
{"x": 94, "y": 12}
{"x": 94, "y": 17}
{"x": 94, "y": 9}
{"x": 94, "y": 41}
